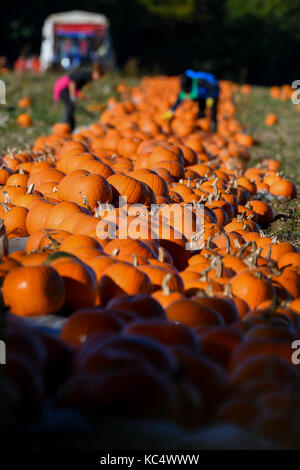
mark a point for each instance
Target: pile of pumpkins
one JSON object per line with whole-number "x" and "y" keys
{"x": 151, "y": 329}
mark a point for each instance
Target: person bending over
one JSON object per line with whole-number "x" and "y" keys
{"x": 201, "y": 87}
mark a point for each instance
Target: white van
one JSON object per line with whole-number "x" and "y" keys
{"x": 76, "y": 38}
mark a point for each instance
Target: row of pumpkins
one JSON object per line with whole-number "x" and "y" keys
{"x": 152, "y": 329}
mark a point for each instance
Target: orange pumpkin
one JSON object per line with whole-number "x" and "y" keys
{"x": 33, "y": 291}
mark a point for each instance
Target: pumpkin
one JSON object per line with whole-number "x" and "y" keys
{"x": 123, "y": 278}
{"x": 99, "y": 264}
{"x": 284, "y": 188}
{"x": 37, "y": 216}
{"x": 223, "y": 305}
{"x": 263, "y": 210}
{"x": 61, "y": 128}
{"x": 128, "y": 247}
{"x": 7, "y": 263}
{"x": 188, "y": 323}
{"x": 35, "y": 258}
{"x": 24, "y": 120}
{"x": 33, "y": 291}
{"x": 17, "y": 179}
{"x": 59, "y": 213}
{"x": 76, "y": 242}
{"x": 289, "y": 278}
{"x": 190, "y": 313}
{"x": 142, "y": 305}
{"x": 78, "y": 278}
{"x": 152, "y": 179}
{"x": 271, "y": 119}
{"x": 289, "y": 258}
{"x": 253, "y": 288}
{"x": 44, "y": 176}
{"x": 84, "y": 323}
{"x": 24, "y": 102}
{"x": 157, "y": 275}
{"x": 127, "y": 187}
{"x": 84, "y": 188}
{"x": 171, "y": 334}
{"x": 49, "y": 239}
{"x": 15, "y": 222}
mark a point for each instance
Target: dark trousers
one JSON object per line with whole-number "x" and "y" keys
{"x": 69, "y": 111}
{"x": 201, "y": 111}
{"x": 201, "y": 107}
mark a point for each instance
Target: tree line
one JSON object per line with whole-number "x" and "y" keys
{"x": 255, "y": 40}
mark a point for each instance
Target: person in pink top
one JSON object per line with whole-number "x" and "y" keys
{"x": 67, "y": 87}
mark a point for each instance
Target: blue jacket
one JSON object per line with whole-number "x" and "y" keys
{"x": 207, "y": 77}
{"x": 205, "y": 85}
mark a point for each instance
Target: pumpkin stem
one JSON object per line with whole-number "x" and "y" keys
{"x": 11, "y": 153}
{"x": 6, "y": 207}
{"x": 209, "y": 242}
{"x": 161, "y": 254}
{"x": 251, "y": 261}
{"x": 228, "y": 189}
{"x": 134, "y": 260}
{"x": 237, "y": 243}
{"x": 217, "y": 265}
{"x": 165, "y": 284}
{"x": 228, "y": 290}
{"x": 204, "y": 276}
{"x": 7, "y": 199}
{"x": 209, "y": 290}
{"x": 52, "y": 240}
{"x": 115, "y": 252}
{"x": 30, "y": 189}
{"x": 209, "y": 199}
{"x": 3, "y": 239}
{"x": 258, "y": 275}
{"x": 227, "y": 243}
{"x": 268, "y": 257}
{"x": 243, "y": 248}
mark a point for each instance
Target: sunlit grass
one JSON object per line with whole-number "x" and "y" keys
{"x": 281, "y": 142}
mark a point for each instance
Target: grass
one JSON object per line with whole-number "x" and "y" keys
{"x": 281, "y": 141}
{"x": 44, "y": 111}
